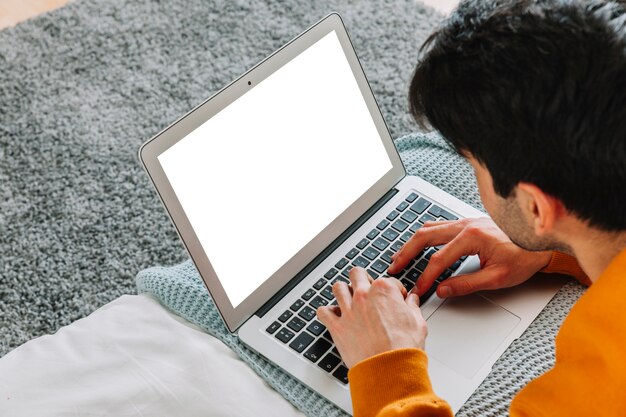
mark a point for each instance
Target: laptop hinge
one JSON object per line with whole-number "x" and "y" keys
{"x": 325, "y": 253}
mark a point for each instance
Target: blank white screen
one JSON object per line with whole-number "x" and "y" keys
{"x": 260, "y": 179}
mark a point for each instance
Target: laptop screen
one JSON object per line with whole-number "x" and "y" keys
{"x": 264, "y": 176}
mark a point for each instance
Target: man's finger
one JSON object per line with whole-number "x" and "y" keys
{"x": 412, "y": 300}
{"x": 438, "y": 223}
{"x": 485, "y": 279}
{"x": 425, "y": 237}
{"x": 343, "y": 295}
{"x": 387, "y": 282}
{"x": 442, "y": 259}
{"x": 327, "y": 315}
{"x": 359, "y": 279}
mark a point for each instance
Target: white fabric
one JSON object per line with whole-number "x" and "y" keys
{"x": 132, "y": 357}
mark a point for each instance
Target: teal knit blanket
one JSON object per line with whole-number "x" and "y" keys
{"x": 181, "y": 289}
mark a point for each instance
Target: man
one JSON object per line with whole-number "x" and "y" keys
{"x": 533, "y": 94}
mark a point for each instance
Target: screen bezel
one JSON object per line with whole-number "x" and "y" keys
{"x": 149, "y": 152}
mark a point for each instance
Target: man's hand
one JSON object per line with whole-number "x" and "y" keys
{"x": 502, "y": 263}
{"x": 372, "y": 317}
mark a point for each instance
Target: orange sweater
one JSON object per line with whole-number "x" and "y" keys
{"x": 588, "y": 378}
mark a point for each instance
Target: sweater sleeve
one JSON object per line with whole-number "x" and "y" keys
{"x": 395, "y": 383}
{"x": 561, "y": 263}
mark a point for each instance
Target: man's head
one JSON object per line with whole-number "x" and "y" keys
{"x": 534, "y": 94}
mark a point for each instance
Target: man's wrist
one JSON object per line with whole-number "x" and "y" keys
{"x": 403, "y": 373}
{"x": 544, "y": 259}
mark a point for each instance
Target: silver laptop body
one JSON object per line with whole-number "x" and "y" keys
{"x": 285, "y": 179}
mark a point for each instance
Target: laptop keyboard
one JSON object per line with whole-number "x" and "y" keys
{"x": 298, "y": 328}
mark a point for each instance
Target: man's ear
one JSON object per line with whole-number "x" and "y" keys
{"x": 543, "y": 210}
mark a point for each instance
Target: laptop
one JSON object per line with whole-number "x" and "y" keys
{"x": 287, "y": 178}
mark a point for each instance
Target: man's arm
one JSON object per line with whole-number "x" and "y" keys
{"x": 395, "y": 383}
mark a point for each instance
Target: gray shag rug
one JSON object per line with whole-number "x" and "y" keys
{"x": 82, "y": 87}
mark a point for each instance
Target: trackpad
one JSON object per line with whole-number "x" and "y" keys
{"x": 464, "y": 332}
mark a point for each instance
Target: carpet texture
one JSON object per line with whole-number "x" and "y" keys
{"x": 82, "y": 87}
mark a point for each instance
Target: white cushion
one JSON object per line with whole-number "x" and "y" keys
{"x": 133, "y": 357}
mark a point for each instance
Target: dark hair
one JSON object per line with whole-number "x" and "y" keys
{"x": 536, "y": 92}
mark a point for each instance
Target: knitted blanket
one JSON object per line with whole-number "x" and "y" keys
{"x": 181, "y": 289}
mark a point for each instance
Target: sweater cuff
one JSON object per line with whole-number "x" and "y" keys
{"x": 386, "y": 378}
{"x": 560, "y": 263}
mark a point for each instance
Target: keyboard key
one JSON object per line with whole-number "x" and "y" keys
{"x": 307, "y": 313}
{"x": 341, "y": 278}
{"x": 371, "y": 253}
{"x": 456, "y": 265}
{"x": 384, "y": 223}
{"x": 328, "y": 293}
{"x": 296, "y": 324}
{"x": 435, "y": 210}
{"x": 428, "y": 293}
{"x": 373, "y": 274}
{"x": 396, "y": 246}
{"x": 331, "y": 273}
{"x": 392, "y": 216}
{"x": 400, "y": 225}
{"x": 329, "y": 362}
{"x": 446, "y": 274}
{"x": 406, "y": 236}
{"x": 371, "y": 235}
{"x": 387, "y": 257}
{"x": 353, "y": 252}
{"x": 341, "y": 374}
{"x": 408, "y": 285}
{"x": 301, "y": 342}
{"x": 297, "y": 305}
{"x": 273, "y": 327}
{"x": 415, "y": 227}
{"x": 327, "y": 335}
{"x": 284, "y": 335}
{"x": 411, "y": 198}
{"x": 422, "y": 264}
{"x": 379, "y": 266}
{"x": 427, "y": 218}
{"x": 402, "y": 206}
{"x": 319, "y": 284}
{"x": 363, "y": 243}
{"x": 413, "y": 275}
{"x": 346, "y": 272}
{"x": 430, "y": 253}
{"x": 316, "y": 351}
{"x": 308, "y": 294}
{"x": 380, "y": 244}
{"x": 361, "y": 261}
{"x": 343, "y": 262}
{"x": 318, "y": 302}
{"x": 448, "y": 216}
{"x": 285, "y": 316}
{"x": 390, "y": 235}
{"x": 316, "y": 328}
{"x": 420, "y": 205}
{"x": 409, "y": 216}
